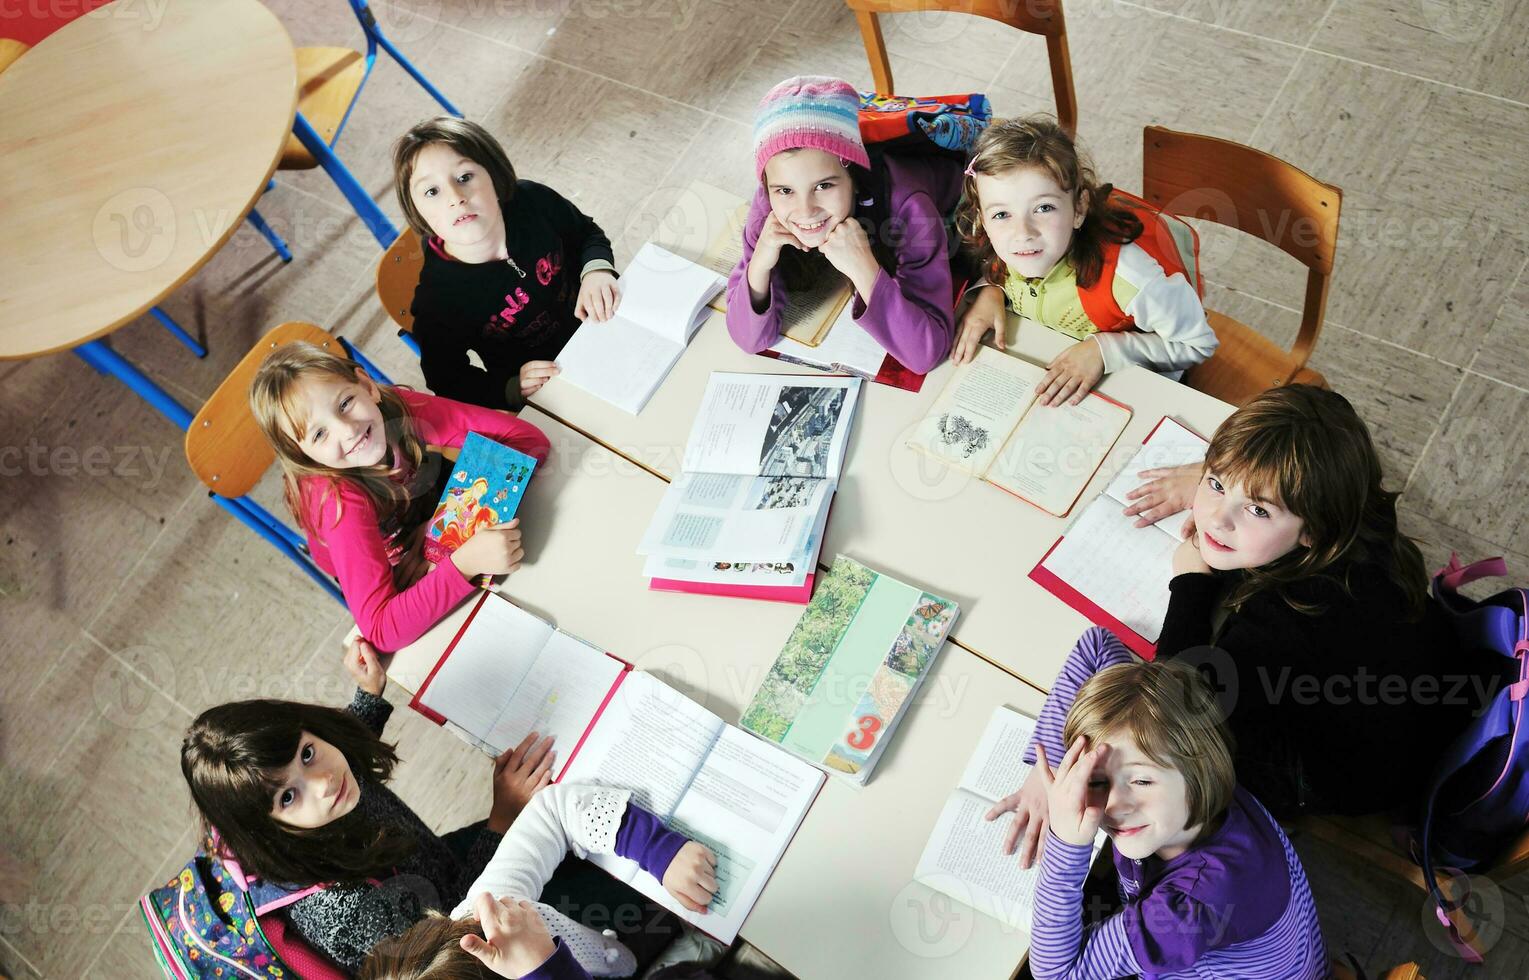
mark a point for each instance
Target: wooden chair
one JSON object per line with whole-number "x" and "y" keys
{"x": 1043, "y": 17}
{"x": 1407, "y": 971}
{"x": 10, "y": 50}
{"x": 1262, "y": 195}
{"x": 1370, "y": 839}
{"x": 397, "y": 275}
{"x": 229, "y": 454}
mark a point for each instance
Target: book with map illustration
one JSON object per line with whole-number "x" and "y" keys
{"x": 989, "y": 423}
{"x": 850, "y": 669}
{"x": 484, "y": 490}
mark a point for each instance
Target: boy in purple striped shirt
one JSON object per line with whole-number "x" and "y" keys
{"x": 1211, "y": 886}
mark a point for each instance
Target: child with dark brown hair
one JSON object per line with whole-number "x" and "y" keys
{"x": 1061, "y": 251}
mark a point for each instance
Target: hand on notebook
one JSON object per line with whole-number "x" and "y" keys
{"x": 1168, "y": 490}
{"x": 692, "y": 877}
{"x": 985, "y": 314}
{"x": 1187, "y": 559}
{"x": 518, "y": 774}
{"x": 1031, "y": 812}
{"x": 1072, "y": 374}
{"x": 362, "y": 663}
{"x": 517, "y": 939}
{"x": 598, "y": 297}
{"x": 490, "y": 551}
{"x": 1077, "y": 808}
{"x": 534, "y": 374}
{"x": 848, "y": 249}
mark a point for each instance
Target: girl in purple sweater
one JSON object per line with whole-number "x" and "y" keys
{"x": 1211, "y": 887}
{"x": 815, "y": 175}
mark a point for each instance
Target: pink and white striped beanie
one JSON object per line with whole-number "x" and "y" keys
{"x": 809, "y": 110}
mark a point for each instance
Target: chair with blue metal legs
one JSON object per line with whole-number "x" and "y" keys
{"x": 229, "y": 454}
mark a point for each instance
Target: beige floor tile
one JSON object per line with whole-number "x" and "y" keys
{"x": 1438, "y": 541}
{"x": 1502, "y": 352}
{"x": 527, "y": 24}
{"x": 1467, "y": 154}
{"x": 1475, "y": 475}
{"x": 1399, "y": 394}
{"x": 1476, "y": 44}
{"x": 968, "y": 46}
{"x": 612, "y": 145}
{"x": 721, "y": 156}
{"x": 1293, "y": 21}
{"x": 815, "y": 39}
{"x": 1275, "y": 322}
{"x": 685, "y": 50}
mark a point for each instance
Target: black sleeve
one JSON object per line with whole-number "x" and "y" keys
{"x": 1191, "y": 603}
{"x": 581, "y": 237}
{"x": 373, "y": 711}
{"x": 448, "y": 372}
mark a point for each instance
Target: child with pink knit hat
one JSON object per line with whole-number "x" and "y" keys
{"x": 818, "y": 193}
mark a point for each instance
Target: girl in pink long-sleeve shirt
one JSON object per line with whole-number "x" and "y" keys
{"x": 361, "y": 485}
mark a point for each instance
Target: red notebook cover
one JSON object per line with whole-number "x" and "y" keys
{"x": 440, "y": 719}
{"x": 801, "y": 594}
{"x": 892, "y": 373}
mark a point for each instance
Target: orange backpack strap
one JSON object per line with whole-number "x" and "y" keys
{"x": 1169, "y": 239}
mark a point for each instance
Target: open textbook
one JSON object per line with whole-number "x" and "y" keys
{"x": 964, "y": 857}
{"x": 626, "y": 358}
{"x": 1108, "y": 569}
{"x": 507, "y": 674}
{"x": 758, "y": 475}
{"x": 850, "y": 669}
{"x": 987, "y": 422}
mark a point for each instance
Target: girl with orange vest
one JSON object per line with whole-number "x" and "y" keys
{"x": 1083, "y": 259}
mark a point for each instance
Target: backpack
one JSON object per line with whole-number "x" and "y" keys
{"x": 210, "y": 920}
{"x": 946, "y": 125}
{"x": 1478, "y": 796}
{"x": 1169, "y": 239}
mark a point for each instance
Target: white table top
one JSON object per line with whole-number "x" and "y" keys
{"x": 903, "y": 514}
{"x": 131, "y": 155}
{"x": 842, "y": 902}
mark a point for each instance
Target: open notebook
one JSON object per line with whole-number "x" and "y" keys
{"x": 626, "y": 358}
{"x": 1108, "y": 569}
{"x": 964, "y": 857}
{"x": 507, "y": 673}
{"x": 987, "y": 422}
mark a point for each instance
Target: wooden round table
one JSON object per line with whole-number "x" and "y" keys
{"x": 130, "y": 149}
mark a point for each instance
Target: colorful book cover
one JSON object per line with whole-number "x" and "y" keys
{"x": 850, "y": 668}
{"x": 484, "y": 490}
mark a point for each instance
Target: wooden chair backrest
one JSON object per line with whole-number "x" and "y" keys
{"x": 226, "y": 449}
{"x": 10, "y": 50}
{"x": 397, "y": 275}
{"x": 1043, "y": 17}
{"x": 1257, "y": 193}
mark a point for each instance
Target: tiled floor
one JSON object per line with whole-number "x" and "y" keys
{"x": 130, "y": 602}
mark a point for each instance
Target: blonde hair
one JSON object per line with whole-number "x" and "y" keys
{"x": 274, "y": 401}
{"x": 1306, "y": 449}
{"x": 1039, "y": 141}
{"x": 1170, "y": 714}
{"x": 467, "y": 138}
{"x": 431, "y": 949}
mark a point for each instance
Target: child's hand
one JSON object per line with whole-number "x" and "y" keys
{"x": 1168, "y": 490}
{"x": 1072, "y": 374}
{"x": 848, "y": 249}
{"x": 986, "y": 313}
{"x": 518, "y": 774}
{"x": 517, "y": 939}
{"x": 598, "y": 297}
{"x": 490, "y": 551}
{"x": 1076, "y": 808}
{"x": 692, "y": 877}
{"x": 534, "y": 374}
{"x": 773, "y": 236}
{"x": 1031, "y": 812}
{"x": 1186, "y": 557}
{"x": 362, "y": 662}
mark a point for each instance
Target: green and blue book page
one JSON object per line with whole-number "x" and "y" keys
{"x": 484, "y": 490}
{"x": 849, "y": 668}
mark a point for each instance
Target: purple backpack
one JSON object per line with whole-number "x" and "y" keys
{"x": 1478, "y": 798}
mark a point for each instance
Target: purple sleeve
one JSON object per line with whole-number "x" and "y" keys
{"x": 1095, "y": 650}
{"x": 911, "y": 313}
{"x": 644, "y": 838}
{"x": 1059, "y": 948}
{"x": 559, "y": 966}
{"x": 750, "y": 330}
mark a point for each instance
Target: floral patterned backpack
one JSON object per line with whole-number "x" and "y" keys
{"x": 212, "y": 921}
